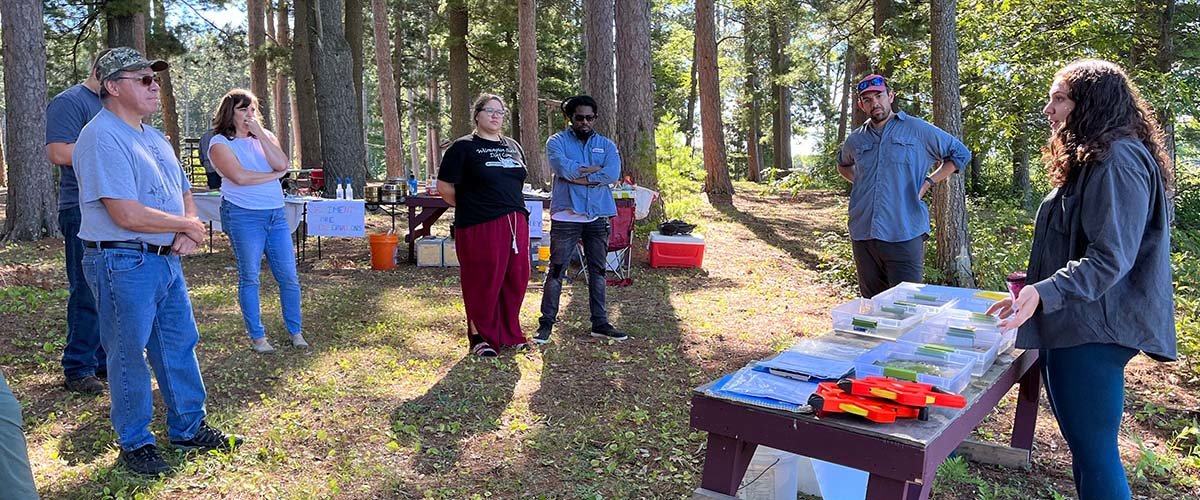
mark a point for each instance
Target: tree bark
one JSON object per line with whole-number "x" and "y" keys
{"x": 282, "y": 94}
{"x": 599, "y": 81}
{"x": 413, "y": 136}
{"x": 308, "y": 125}
{"x": 461, "y": 121}
{"x": 433, "y": 152}
{"x": 689, "y": 120}
{"x": 781, "y": 137}
{"x": 32, "y": 210}
{"x": 716, "y": 166}
{"x": 126, "y": 24}
{"x": 342, "y": 147}
{"x": 387, "y": 89}
{"x": 750, "y": 59}
{"x": 949, "y": 197}
{"x": 256, "y": 38}
{"x": 3, "y": 174}
{"x": 527, "y": 56}
{"x": 166, "y": 92}
{"x": 635, "y": 93}
{"x": 881, "y": 11}
{"x": 862, "y": 67}
{"x": 847, "y": 89}
{"x": 1020, "y": 165}
{"x": 354, "y": 35}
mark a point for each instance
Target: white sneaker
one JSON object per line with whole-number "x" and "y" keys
{"x": 298, "y": 341}
{"x": 261, "y": 346}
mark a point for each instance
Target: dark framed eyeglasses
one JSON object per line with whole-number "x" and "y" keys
{"x": 145, "y": 79}
{"x": 584, "y": 118}
{"x": 871, "y": 82}
{"x": 494, "y": 112}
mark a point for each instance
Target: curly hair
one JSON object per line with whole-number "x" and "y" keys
{"x": 1107, "y": 107}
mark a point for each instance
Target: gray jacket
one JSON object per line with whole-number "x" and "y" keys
{"x": 1101, "y": 259}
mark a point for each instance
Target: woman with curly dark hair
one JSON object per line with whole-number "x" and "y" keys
{"x": 1099, "y": 277}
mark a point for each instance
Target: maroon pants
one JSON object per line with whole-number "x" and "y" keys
{"x": 494, "y": 278}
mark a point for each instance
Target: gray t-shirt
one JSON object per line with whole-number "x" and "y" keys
{"x": 66, "y": 115}
{"x": 114, "y": 160}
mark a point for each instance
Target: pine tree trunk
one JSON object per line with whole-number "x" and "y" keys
{"x": 949, "y": 197}
{"x": 413, "y": 135}
{"x": 387, "y": 89}
{"x": 781, "y": 126}
{"x": 433, "y": 153}
{"x": 976, "y": 172}
{"x": 862, "y": 67}
{"x": 527, "y": 55}
{"x": 689, "y": 120}
{"x": 461, "y": 121}
{"x": 256, "y": 38}
{"x": 847, "y": 89}
{"x": 126, "y": 24}
{"x": 166, "y": 92}
{"x": 1020, "y": 164}
{"x": 635, "y": 93}
{"x": 342, "y": 146}
{"x": 282, "y": 94}
{"x": 32, "y": 209}
{"x": 750, "y": 59}
{"x": 716, "y": 166}
{"x": 354, "y": 35}
{"x": 3, "y": 173}
{"x": 599, "y": 79}
{"x": 308, "y": 125}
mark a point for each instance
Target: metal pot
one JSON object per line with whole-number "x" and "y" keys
{"x": 371, "y": 194}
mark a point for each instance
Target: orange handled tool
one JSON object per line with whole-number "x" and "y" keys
{"x": 905, "y": 393}
{"x": 830, "y": 398}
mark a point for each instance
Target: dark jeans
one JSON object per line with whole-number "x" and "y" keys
{"x": 1086, "y": 388}
{"x": 563, "y": 239}
{"x": 881, "y": 265}
{"x": 83, "y": 355}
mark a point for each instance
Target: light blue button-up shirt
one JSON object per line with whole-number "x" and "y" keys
{"x": 889, "y": 169}
{"x": 566, "y": 154}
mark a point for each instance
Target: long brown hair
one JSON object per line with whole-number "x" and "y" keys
{"x": 1107, "y": 107}
{"x": 223, "y": 119}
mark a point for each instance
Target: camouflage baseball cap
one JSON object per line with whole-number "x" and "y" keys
{"x": 125, "y": 59}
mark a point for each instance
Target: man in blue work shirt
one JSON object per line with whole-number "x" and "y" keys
{"x": 888, "y": 160}
{"x": 584, "y": 164}
{"x": 83, "y": 360}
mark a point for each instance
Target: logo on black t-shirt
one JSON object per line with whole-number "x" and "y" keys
{"x": 503, "y": 157}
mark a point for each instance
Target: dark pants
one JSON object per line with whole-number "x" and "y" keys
{"x": 83, "y": 355}
{"x": 16, "y": 478}
{"x": 884, "y": 264}
{"x": 214, "y": 180}
{"x": 1086, "y": 388}
{"x": 563, "y": 239}
{"x": 494, "y": 278}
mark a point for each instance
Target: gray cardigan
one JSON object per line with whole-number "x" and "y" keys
{"x": 1101, "y": 259}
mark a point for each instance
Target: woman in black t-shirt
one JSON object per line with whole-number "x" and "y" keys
{"x": 481, "y": 175}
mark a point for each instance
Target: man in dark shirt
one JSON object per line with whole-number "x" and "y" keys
{"x": 83, "y": 358}
{"x": 888, "y": 159}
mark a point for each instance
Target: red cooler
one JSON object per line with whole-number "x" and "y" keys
{"x": 676, "y": 251}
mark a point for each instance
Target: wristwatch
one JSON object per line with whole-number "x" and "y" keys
{"x": 930, "y": 181}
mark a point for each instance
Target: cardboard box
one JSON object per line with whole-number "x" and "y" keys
{"x": 676, "y": 251}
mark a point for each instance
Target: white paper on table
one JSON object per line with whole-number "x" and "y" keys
{"x": 337, "y": 218}
{"x": 535, "y": 218}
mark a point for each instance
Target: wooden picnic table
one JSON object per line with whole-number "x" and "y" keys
{"x": 901, "y": 458}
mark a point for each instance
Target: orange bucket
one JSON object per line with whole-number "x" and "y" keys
{"x": 383, "y": 251}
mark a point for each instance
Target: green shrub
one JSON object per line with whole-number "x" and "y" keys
{"x": 680, "y": 172}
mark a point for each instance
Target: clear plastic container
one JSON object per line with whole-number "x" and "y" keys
{"x": 960, "y": 338}
{"x": 914, "y": 295}
{"x": 870, "y": 317}
{"x": 978, "y": 320}
{"x": 945, "y": 370}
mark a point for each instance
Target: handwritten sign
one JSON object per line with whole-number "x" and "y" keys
{"x": 337, "y": 218}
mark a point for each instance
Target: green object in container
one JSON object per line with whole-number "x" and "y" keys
{"x": 906, "y": 369}
{"x": 864, "y": 323}
{"x": 898, "y": 312}
{"x": 984, "y": 318}
{"x": 965, "y": 332}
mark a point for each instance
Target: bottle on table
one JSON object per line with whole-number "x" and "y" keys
{"x": 349, "y": 189}
{"x": 341, "y": 191}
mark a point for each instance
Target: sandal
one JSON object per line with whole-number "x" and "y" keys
{"x": 483, "y": 350}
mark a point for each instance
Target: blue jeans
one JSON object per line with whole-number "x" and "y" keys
{"x": 564, "y": 237}
{"x": 1086, "y": 388}
{"x": 16, "y": 478}
{"x": 83, "y": 355}
{"x": 145, "y": 314}
{"x": 251, "y": 233}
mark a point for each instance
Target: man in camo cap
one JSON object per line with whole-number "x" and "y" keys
{"x": 138, "y": 219}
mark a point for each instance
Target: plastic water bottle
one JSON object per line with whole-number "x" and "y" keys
{"x": 341, "y": 192}
{"x": 412, "y": 186}
{"x": 349, "y": 190}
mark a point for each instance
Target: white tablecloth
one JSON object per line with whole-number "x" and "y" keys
{"x": 208, "y": 208}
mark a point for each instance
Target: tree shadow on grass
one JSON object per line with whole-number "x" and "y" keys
{"x": 465, "y": 404}
{"x": 767, "y": 229}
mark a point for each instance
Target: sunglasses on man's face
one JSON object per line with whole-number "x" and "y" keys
{"x": 873, "y": 82}
{"x": 584, "y": 118}
{"x": 145, "y": 79}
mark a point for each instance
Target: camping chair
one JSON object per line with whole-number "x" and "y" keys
{"x": 316, "y": 181}
{"x": 620, "y": 247}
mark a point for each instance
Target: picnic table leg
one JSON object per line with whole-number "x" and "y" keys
{"x": 725, "y": 462}
{"x": 411, "y": 238}
{"x": 1027, "y": 408}
{"x": 881, "y": 487}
